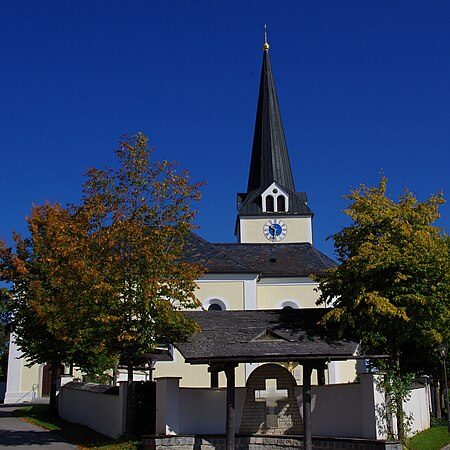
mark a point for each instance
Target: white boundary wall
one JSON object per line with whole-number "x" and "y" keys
{"x": 103, "y": 413}
{"x": 340, "y": 410}
{"x": 419, "y": 407}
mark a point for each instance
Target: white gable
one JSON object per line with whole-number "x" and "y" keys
{"x": 275, "y": 199}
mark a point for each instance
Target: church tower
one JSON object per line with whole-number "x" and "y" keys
{"x": 271, "y": 211}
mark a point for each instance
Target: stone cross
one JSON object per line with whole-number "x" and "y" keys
{"x": 271, "y": 396}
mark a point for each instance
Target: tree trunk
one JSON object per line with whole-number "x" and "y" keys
{"x": 399, "y": 411}
{"x": 400, "y": 418}
{"x": 129, "y": 412}
{"x": 55, "y": 365}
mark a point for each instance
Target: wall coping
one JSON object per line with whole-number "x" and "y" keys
{"x": 92, "y": 387}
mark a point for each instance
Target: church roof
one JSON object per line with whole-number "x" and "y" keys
{"x": 270, "y": 158}
{"x": 262, "y": 336}
{"x": 268, "y": 260}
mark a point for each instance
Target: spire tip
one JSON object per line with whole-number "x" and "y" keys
{"x": 266, "y": 45}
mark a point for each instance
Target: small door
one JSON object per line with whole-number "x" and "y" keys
{"x": 47, "y": 378}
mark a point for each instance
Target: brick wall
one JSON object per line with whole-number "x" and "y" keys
{"x": 257, "y": 418}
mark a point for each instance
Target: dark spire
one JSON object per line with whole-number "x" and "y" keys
{"x": 270, "y": 159}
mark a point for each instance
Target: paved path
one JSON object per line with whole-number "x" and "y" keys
{"x": 21, "y": 435}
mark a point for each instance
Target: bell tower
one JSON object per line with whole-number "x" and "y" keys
{"x": 271, "y": 211}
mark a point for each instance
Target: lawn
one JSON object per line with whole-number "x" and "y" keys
{"x": 432, "y": 439}
{"x": 79, "y": 435}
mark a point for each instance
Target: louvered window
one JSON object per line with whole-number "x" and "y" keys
{"x": 269, "y": 203}
{"x": 281, "y": 204}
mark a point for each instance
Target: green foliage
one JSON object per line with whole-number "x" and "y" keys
{"x": 102, "y": 378}
{"x": 438, "y": 422}
{"x": 397, "y": 388}
{"x": 391, "y": 289}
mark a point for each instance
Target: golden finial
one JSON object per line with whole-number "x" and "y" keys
{"x": 266, "y": 45}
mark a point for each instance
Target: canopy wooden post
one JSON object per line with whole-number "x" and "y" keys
{"x": 230, "y": 425}
{"x": 307, "y": 433}
{"x": 321, "y": 375}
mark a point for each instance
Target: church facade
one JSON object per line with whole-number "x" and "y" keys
{"x": 269, "y": 267}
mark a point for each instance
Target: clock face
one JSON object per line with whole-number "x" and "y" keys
{"x": 275, "y": 230}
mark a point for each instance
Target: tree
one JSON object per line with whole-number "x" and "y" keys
{"x": 121, "y": 259}
{"x": 392, "y": 287}
{"x": 27, "y": 276}
{"x": 109, "y": 276}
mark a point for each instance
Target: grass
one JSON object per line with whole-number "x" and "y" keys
{"x": 79, "y": 435}
{"x": 432, "y": 439}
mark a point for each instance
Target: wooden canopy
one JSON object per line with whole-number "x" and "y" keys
{"x": 228, "y": 338}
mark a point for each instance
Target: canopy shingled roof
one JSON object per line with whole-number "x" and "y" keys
{"x": 263, "y": 336}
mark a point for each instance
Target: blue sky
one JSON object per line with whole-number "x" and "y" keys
{"x": 363, "y": 86}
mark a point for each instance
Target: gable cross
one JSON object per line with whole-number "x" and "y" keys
{"x": 271, "y": 396}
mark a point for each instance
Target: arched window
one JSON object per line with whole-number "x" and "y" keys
{"x": 269, "y": 203}
{"x": 289, "y": 304}
{"x": 281, "y": 204}
{"x": 215, "y": 304}
{"x": 215, "y": 307}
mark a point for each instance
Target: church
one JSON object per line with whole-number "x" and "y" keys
{"x": 269, "y": 268}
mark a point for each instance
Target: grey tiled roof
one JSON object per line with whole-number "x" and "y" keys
{"x": 268, "y": 260}
{"x": 262, "y": 336}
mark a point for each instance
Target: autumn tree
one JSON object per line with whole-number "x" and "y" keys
{"x": 136, "y": 219}
{"x": 29, "y": 287}
{"x": 109, "y": 276}
{"x": 392, "y": 286}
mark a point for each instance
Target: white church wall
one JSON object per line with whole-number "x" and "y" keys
{"x": 22, "y": 382}
{"x": 272, "y": 293}
{"x": 193, "y": 375}
{"x": 229, "y": 292}
{"x": 29, "y": 377}
{"x": 341, "y": 372}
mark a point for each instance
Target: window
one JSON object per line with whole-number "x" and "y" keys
{"x": 281, "y": 203}
{"x": 214, "y": 304}
{"x": 289, "y": 304}
{"x": 269, "y": 203}
{"x": 214, "y": 307}
{"x": 274, "y": 199}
